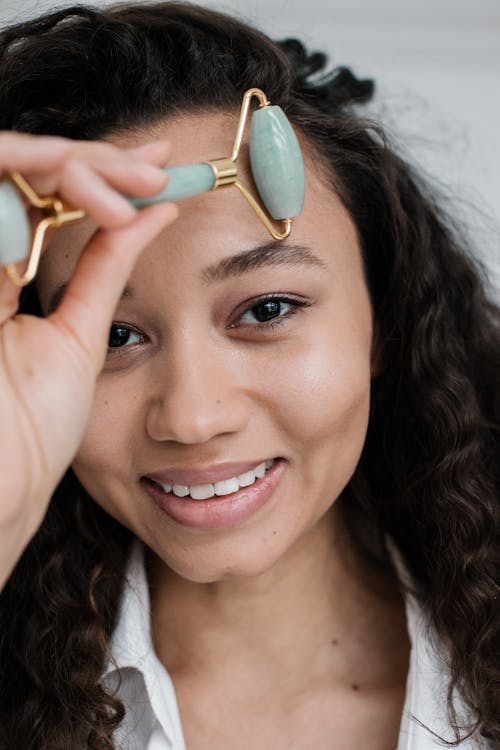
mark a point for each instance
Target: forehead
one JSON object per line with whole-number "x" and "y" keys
{"x": 198, "y": 137}
{"x": 220, "y": 223}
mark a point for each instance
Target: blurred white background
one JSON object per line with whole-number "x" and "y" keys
{"x": 437, "y": 68}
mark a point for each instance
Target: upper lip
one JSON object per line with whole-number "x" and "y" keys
{"x": 203, "y": 474}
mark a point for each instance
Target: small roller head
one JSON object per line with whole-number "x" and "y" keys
{"x": 276, "y": 162}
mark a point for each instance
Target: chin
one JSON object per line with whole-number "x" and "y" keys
{"x": 220, "y": 562}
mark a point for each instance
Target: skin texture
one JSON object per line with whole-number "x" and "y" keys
{"x": 278, "y": 593}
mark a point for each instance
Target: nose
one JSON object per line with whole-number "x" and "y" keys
{"x": 198, "y": 394}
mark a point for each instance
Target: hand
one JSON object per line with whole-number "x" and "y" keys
{"x": 48, "y": 366}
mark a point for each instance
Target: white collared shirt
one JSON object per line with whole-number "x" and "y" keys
{"x": 152, "y": 720}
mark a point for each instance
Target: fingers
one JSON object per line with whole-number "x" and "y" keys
{"x": 37, "y": 154}
{"x": 101, "y": 274}
{"x": 85, "y": 188}
{"x": 131, "y": 171}
{"x": 97, "y": 183}
{"x": 91, "y": 175}
{"x": 95, "y": 176}
{"x": 157, "y": 152}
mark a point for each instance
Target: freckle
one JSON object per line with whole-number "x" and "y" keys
{"x": 218, "y": 401}
{"x": 335, "y": 642}
{"x": 355, "y": 687}
{"x": 274, "y": 532}
{"x": 105, "y": 403}
{"x": 66, "y": 256}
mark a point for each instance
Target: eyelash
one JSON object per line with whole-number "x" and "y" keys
{"x": 295, "y": 303}
{"x": 270, "y": 324}
{"x": 123, "y": 327}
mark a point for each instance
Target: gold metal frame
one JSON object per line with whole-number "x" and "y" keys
{"x": 226, "y": 171}
{"x": 57, "y": 215}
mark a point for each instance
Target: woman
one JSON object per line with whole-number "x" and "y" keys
{"x": 338, "y": 390}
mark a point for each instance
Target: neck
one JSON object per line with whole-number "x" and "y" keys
{"x": 322, "y": 609}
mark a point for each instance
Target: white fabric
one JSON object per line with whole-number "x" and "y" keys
{"x": 152, "y": 720}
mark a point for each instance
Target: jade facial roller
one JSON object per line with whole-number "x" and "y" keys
{"x": 275, "y": 160}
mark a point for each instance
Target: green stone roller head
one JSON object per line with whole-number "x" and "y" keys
{"x": 275, "y": 160}
{"x": 15, "y": 234}
{"x": 277, "y": 168}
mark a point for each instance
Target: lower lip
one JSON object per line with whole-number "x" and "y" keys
{"x": 218, "y": 512}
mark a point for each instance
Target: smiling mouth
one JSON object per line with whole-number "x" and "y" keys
{"x": 217, "y": 489}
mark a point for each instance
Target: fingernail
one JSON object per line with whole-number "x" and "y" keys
{"x": 15, "y": 232}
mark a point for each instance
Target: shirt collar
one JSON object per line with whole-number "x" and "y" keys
{"x": 131, "y": 647}
{"x": 428, "y": 675}
{"x": 426, "y": 688}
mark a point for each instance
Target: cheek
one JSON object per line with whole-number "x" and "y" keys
{"x": 319, "y": 389}
{"x": 322, "y": 408}
{"x": 326, "y": 411}
{"x": 106, "y": 454}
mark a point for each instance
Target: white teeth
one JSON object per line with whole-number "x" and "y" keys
{"x": 225, "y": 487}
{"x": 180, "y": 490}
{"x": 201, "y": 491}
{"x": 260, "y": 470}
{"x": 246, "y": 479}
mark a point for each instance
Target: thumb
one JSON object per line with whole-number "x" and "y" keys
{"x": 100, "y": 276}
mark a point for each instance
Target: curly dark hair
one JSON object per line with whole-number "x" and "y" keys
{"x": 429, "y": 472}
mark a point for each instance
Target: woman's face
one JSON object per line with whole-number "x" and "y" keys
{"x": 228, "y": 350}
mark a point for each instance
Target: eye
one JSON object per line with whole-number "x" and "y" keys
{"x": 269, "y": 312}
{"x": 266, "y": 310}
{"x": 121, "y": 335}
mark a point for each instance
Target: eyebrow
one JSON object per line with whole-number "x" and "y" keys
{"x": 271, "y": 254}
